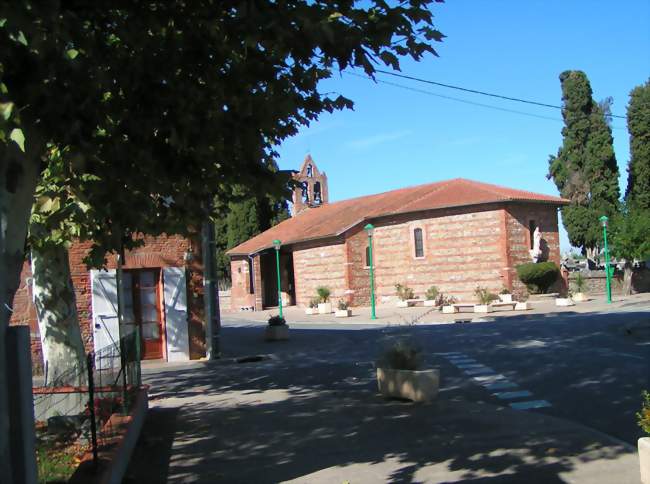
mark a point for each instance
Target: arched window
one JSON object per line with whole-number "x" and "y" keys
{"x": 367, "y": 256}
{"x": 310, "y": 171}
{"x": 417, "y": 239}
{"x": 317, "y": 195}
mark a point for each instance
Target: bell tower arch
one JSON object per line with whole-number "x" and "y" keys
{"x": 311, "y": 188}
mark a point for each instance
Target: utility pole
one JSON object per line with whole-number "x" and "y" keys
{"x": 210, "y": 296}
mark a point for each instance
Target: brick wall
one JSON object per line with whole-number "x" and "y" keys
{"x": 24, "y": 313}
{"x": 240, "y": 293}
{"x": 161, "y": 251}
{"x": 319, "y": 265}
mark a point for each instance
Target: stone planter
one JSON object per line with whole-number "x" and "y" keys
{"x": 522, "y": 306}
{"x": 402, "y": 304}
{"x": 325, "y": 308}
{"x": 418, "y": 386}
{"x": 430, "y": 302}
{"x": 644, "y": 459}
{"x": 564, "y": 301}
{"x": 449, "y": 309}
{"x": 580, "y": 297}
{"x": 311, "y": 311}
{"x": 343, "y": 313}
{"x": 505, "y": 298}
{"x": 483, "y": 308}
{"x": 276, "y": 333}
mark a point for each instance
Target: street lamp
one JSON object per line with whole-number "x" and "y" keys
{"x": 370, "y": 229}
{"x": 277, "y": 244}
{"x": 603, "y": 221}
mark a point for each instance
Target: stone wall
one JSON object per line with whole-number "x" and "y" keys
{"x": 597, "y": 281}
{"x": 319, "y": 265}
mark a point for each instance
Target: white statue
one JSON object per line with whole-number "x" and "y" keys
{"x": 536, "y": 251}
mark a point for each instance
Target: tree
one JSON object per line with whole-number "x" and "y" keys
{"x": 584, "y": 169}
{"x": 167, "y": 104}
{"x": 638, "y": 124}
{"x": 630, "y": 238}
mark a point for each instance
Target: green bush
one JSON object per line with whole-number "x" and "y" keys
{"x": 343, "y": 305}
{"x": 580, "y": 283}
{"x": 404, "y": 292}
{"x": 644, "y": 415}
{"x": 323, "y": 293}
{"x": 538, "y": 277}
{"x": 432, "y": 293}
{"x": 277, "y": 321}
{"x": 401, "y": 356}
{"x": 484, "y": 296}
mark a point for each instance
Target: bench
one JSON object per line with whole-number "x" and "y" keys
{"x": 504, "y": 304}
{"x": 409, "y": 302}
{"x": 456, "y": 308}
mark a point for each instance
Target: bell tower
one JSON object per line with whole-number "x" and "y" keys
{"x": 311, "y": 188}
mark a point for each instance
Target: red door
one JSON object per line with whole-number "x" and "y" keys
{"x": 142, "y": 309}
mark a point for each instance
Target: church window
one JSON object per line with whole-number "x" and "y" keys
{"x": 417, "y": 239}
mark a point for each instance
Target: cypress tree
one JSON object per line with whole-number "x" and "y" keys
{"x": 585, "y": 169}
{"x": 637, "y": 194}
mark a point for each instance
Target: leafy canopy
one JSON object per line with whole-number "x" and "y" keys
{"x": 638, "y": 124}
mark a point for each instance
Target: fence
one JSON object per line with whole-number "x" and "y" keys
{"x": 104, "y": 387}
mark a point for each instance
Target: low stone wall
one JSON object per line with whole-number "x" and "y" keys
{"x": 224, "y": 301}
{"x": 597, "y": 281}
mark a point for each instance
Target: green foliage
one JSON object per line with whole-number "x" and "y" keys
{"x": 629, "y": 234}
{"x": 323, "y": 293}
{"x": 637, "y": 194}
{"x": 432, "y": 293}
{"x": 404, "y": 292}
{"x": 277, "y": 321}
{"x": 403, "y": 355}
{"x": 643, "y": 417}
{"x": 538, "y": 277}
{"x": 584, "y": 169}
{"x": 484, "y": 296}
{"x": 579, "y": 283}
{"x": 343, "y": 305}
{"x": 505, "y": 290}
{"x": 313, "y": 303}
{"x": 445, "y": 300}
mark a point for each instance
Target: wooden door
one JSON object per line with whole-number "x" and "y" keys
{"x": 142, "y": 308}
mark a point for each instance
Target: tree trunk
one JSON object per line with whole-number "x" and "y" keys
{"x": 18, "y": 177}
{"x": 58, "y": 323}
{"x": 627, "y": 278}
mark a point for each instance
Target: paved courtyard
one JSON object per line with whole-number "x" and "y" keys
{"x": 534, "y": 398}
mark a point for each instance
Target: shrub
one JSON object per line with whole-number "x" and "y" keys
{"x": 323, "y": 293}
{"x": 342, "y": 305}
{"x": 313, "y": 303}
{"x": 484, "y": 296}
{"x": 644, "y": 415}
{"x": 445, "y": 300}
{"x": 277, "y": 321}
{"x": 432, "y": 293}
{"x": 538, "y": 277}
{"x": 404, "y": 292}
{"x": 401, "y": 356}
{"x": 579, "y": 283}
{"x": 505, "y": 290}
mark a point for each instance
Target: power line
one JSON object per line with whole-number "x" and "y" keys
{"x": 482, "y": 93}
{"x": 451, "y": 98}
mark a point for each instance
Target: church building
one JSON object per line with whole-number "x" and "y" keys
{"x": 455, "y": 234}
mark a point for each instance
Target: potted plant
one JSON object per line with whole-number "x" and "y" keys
{"x": 484, "y": 297}
{"x": 565, "y": 301}
{"x": 324, "y": 304}
{"x": 404, "y": 293}
{"x": 277, "y": 329}
{"x": 399, "y": 374}
{"x": 343, "y": 311}
{"x": 313, "y": 307}
{"x": 431, "y": 296}
{"x": 522, "y": 304}
{"x": 580, "y": 286}
{"x": 644, "y": 442}
{"x": 446, "y": 303}
{"x": 505, "y": 295}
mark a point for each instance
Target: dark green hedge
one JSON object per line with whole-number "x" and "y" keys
{"x": 538, "y": 277}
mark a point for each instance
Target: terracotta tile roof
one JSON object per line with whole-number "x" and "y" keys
{"x": 333, "y": 219}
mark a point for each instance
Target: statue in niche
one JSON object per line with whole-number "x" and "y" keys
{"x": 310, "y": 171}
{"x": 536, "y": 251}
{"x": 317, "y": 195}
{"x": 305, "y": 192}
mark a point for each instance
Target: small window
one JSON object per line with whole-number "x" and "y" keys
{"x": 367, "y": 256}
{"x": 317, "y": 195}
{"x": 251, "y": 277}
{"x": 417, "y": 238}
{"x": 531, "y": 233}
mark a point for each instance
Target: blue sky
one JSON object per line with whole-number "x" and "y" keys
{"x": 395, "y": 138}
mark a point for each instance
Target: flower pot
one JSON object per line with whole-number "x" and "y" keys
{"x": 343, "y": 313}
{"x": 430, "y": 302}
{"x": 418, "y": 386}
{"x": 325, "y": 308}
{"x": 522, "y": 306}
{"x": 505, "y": 298}
{"x": 483, "y": 308}
{"x": 276, "y": 333}
{"x": 449, "y": 309}
{"x": 564, "y": 301}
{"x": 580, "y": 297}
{"x": 402, "y": 304}
{"x": 311, "y": 311}
{"x": 644, "y": 459}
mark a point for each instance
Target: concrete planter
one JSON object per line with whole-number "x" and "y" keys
{"x": 564, "y": 301}
{"x": 644, "y": 459}
{"x": 402, "y": 304}
{"x": 276, "y": 333}
{"x": 325, "y": 308}
{"x": 311, "y": 311}
{"x": 522, "y": 306}
{"x": 505, "y": 298}
{"x": 449, "y": 309}
{"x": 418, "y": 386}
{"x": 430, "y": 302}
{"x": 483, "y": 308}
{"x": 580, "y": 297}
{"x": 343, "y": 313}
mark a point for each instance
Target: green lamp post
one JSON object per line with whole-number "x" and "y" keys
{"x": 277, "y": 244}
{"x": 370, "y": 229}
{"x": 608, "y": 273}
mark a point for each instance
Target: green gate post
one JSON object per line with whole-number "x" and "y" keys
{"x": 370, "y": 230}
{"x": 277, "y": 244}
{"x": 603, "y": 221}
